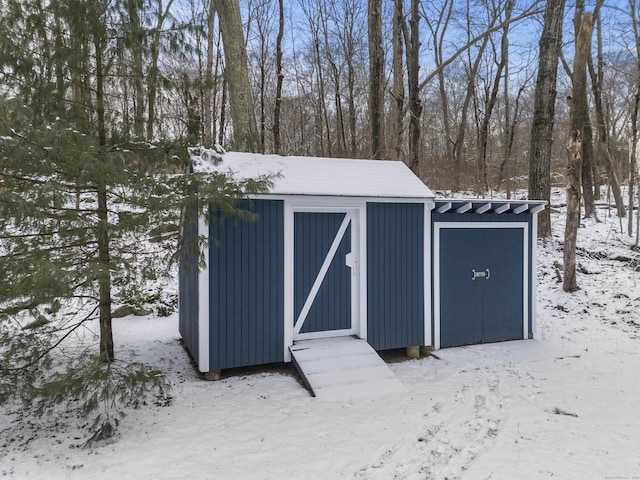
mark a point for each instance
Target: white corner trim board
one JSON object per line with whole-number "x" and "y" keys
{"x": 203, "y": 300}
{"x": 428, "y": 337}
{"x": 526, "y": 276}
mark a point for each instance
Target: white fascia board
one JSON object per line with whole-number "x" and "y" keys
{"x": 336, "y": 200}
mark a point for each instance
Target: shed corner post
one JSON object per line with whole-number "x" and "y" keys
{"x": 204, "y": 297}
{"x": 288, "y": 278}
{"x": 533, "y": 308}
{"x": 429, "y": 205}
{"x": 363, "y": 314}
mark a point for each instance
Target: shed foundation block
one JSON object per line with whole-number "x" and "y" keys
{"x": 413, "y": 352}
{"x": 213, "y": 375}
{"x": 426, "y": 350}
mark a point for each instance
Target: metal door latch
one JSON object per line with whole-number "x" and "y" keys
{"x": 483, "y": 274}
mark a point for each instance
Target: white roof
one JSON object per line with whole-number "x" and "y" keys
{"x": 316, "y": 175}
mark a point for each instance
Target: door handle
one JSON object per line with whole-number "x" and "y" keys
{"x": 486, "y": 274}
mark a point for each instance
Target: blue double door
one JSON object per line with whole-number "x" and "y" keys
{"x": 324, "y": 274}
{"x": 482, "y": 285}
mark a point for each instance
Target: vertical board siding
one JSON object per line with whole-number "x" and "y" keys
{"x": 395, "y": 275}
{"x": 313, "y": 235}
{"x": 188, "y": 280}
{"x": 246, "y": 275}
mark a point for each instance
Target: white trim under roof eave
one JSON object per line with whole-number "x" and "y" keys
{"x": 330, "y": 200}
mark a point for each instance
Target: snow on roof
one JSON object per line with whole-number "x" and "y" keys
{"x": 317, "y": 176}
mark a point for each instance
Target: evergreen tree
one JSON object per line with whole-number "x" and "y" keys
{"x": 77, "y": 208}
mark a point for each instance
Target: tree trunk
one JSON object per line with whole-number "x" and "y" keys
{"x": 277, "y": 147}
{"x": 104, "y": 273}
{"x": 544, "y": 111}
{"x": 376, "y": 77}
{"x": 137, "y": 34}
{"x": 397, "y": 93}
{"x": 438, "y": 30}
{"x": 415, "y": 104}
{"x": 350, "y": 54}
{"x": 482, "y": 184}
{"x": 602, "y": 146}
{"x": 223, "y": 112}
{"x": 587, "y": 167}
{"x": 209, "y": 133}
{"x": 245, "y": 130}
{"x": 583, "y": 23}
{"x": 634, "y": 117}
{"x": 459, "y": 149}
{"x": 505, "y": 166}
{"x": 633, "y": 157}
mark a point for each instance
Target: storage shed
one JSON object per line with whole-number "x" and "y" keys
{"x": 352, "y": 249}
{"x": 339, "y": 249}
{"x": 484, "y": 270}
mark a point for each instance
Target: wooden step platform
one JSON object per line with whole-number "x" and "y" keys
{"x": 343, "y": 368}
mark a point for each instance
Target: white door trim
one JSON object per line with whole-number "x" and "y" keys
{"x": 356, "y": 208}
{"x": 315, "y": 288}
{"x": 437, "y": 226}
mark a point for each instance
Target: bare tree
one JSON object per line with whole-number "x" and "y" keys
{"x": 544, "y": 113}
{"x": 482, "y": 184}
{"x": 634, "y": 117}
{"x": 603, "y": 146}
{"x": 245, "y": 131}
{"x": 376, "y": 77}
{"x": 277, "y": 146}
{"x": 415, "y": 104}
{"x": 208, "y": 86}
{"x": 583, "y": 24}
{"x": 397, "y": 91}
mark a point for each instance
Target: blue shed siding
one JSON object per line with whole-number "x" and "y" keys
{"x": 395, "y": 275}
{"x": 246, "y": 284}
{"x": 488, "y": 218}
{"x": 313, "y": 235}
{"x": 188, "y": 280}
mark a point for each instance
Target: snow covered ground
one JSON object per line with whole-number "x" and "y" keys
{"x": 565, "y": 405}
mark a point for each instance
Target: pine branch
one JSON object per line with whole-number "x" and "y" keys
{"x": 51, "y": 347}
